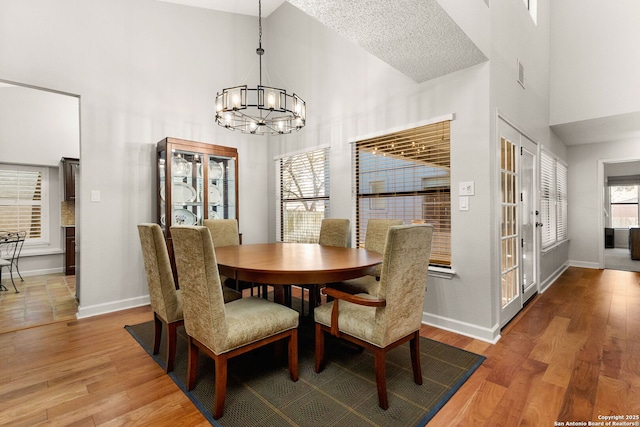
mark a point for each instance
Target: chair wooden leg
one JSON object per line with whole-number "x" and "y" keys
{"x": 192, "y": 364}
{"x": 414, "y": 345}
{"x": 171, "y": 345}
{"x": 319, "y": 356}
{"x": 293, "y": 355}
{"x": 157, "y": 328}
{"x": 381, "y": 377}
{"x": 220, "y": 392}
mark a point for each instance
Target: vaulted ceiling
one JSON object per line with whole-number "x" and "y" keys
{"x": 416, "y": 37}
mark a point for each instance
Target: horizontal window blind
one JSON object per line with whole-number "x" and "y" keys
{"x": 547, "y": 200}
{"x": 561, "y": 200}
{"x": 21, "y": 200}
{"x": 304, "y": 195}
{"x": 553, "y": 200}
{"x": 406, "y": 175}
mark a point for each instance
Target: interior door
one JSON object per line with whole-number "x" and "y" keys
{"x": 518, "y": 209}
{"x": 529, "y": 214}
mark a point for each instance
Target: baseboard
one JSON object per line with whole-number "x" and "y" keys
{"x": 490, "y": 335}
{"x": 40, "y": 272}
{"x": 553, "y": 277}
{"x": 110, "y": 307}
{"x": 583, "y": 264}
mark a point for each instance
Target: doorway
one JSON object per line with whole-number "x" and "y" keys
{"x": 519, "y": 220}
{"x": 620, "y": 212}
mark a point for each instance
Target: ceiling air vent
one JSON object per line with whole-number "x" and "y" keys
{"x": 520, "y": 73}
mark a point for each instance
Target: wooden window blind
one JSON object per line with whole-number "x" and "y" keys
{"x": 304, "y": 195}
{"x": 22, "y": 197}
{"x": 406, "y": 175}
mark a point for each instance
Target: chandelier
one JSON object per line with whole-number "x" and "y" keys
{"x": 261, "y": 110}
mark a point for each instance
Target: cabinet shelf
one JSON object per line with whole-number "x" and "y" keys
{"x": 191, "y": 174}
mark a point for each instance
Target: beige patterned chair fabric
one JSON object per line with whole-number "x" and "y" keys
{"x": 403, "y": 282}
{"x": 165, "y": 298}
{"x": 224, "y": 232}
{"x": 374, "y": 241}
{"x": 224, "y": 330}
{"x": 334, "y": 232}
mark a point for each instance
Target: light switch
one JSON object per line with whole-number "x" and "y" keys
{"x": 463, "y": 203}
{"x": 95, "y": 195}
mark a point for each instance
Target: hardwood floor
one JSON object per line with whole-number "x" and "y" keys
{"x": 571, "y": 355}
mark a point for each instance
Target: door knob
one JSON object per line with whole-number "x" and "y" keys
{"x": 539, "y": 224}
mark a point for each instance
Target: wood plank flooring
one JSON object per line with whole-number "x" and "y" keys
{"x": 571, "y": 355}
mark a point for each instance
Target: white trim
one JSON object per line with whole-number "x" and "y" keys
{"x": 554, "y": 246}
{"x": 40, "y": 272}
{"x": 490, "y": 335}
{"x": 553, "y": 277}
{"x": 585, "y": 264}
{"x": 302, "y": 150}
{"x": 110, "y": 307}
{"x": 449, "y": 117}
{"x": 441, "y": 272}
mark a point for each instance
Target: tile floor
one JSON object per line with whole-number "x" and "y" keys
{"x": 41, "y": 300}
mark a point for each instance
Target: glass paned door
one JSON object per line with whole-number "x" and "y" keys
{"x": 510, "y": 267}
{"x": 518, "y": 236}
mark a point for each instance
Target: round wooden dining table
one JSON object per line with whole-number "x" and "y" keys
{"x": 294, "y": 264}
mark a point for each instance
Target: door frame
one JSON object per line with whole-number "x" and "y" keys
{"x": 601, "y": 203}
{"x": 498, "y": 216}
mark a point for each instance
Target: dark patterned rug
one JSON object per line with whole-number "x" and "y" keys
{"x": 260, "y": 392}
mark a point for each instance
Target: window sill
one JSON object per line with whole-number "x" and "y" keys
{"x": 554, "y": 246}
{"x": 27, "y": 252}
{"x": 442, "y": 273}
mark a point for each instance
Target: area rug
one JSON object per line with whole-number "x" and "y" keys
{"x": 260, "y": 392}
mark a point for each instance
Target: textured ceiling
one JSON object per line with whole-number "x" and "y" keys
{"x": 416, "y": 37}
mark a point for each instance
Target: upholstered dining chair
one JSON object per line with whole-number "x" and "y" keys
{"x": 220, "y": 330}
{"x": 165, "y": 298}
{"x": 375, "y": 239}
{"x": 393, "y": 315}
{"x": 333, "y": 232}
{"x": 224, "y": 232}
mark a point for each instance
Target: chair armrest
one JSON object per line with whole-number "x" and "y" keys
{"x": 355, "y": 299}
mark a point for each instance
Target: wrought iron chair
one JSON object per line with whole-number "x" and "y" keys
{"x": 10, "y": 248}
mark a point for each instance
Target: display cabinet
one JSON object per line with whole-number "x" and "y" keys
{"x": 196, "y": 181}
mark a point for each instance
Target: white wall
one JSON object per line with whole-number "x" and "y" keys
{"x": 595, "y": 61}
{"x": 144, "y": 70}
{"x": 515, "y": 37}
{"x": 350, "y": 93}
{"x": 38, "y": 127}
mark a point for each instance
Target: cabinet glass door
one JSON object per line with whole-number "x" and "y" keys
{"x": 186, "y": 197}
{"x": 221, "y": 195}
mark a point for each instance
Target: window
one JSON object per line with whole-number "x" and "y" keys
{"x": 23, "y": 201}
{"x": 553, "y": 200}
{"x": 406, "y": 175}
{"x": 303, "y": 184}
{"x": 623, "y": 198}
